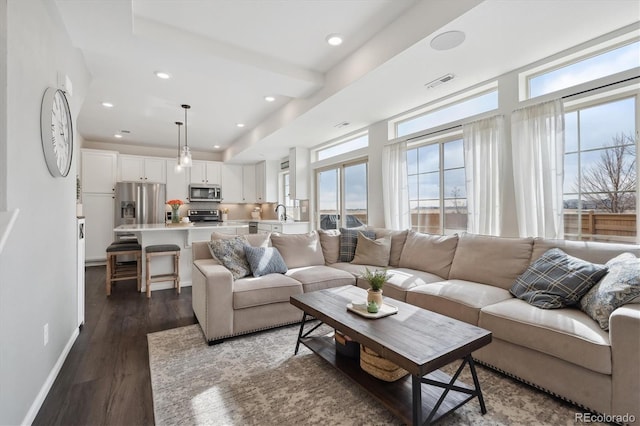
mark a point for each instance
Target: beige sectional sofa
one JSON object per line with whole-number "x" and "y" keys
{"x": 467, "y": 277}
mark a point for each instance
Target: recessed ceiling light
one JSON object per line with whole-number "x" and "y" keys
{"x": 448, "y": 40}
{"x": 216, "y": 146}
{"x": 239, "y": 124}
{"x": 334, "y": 39}
{"x": 118, "y": 136}
{"x": 269, "y": 98}
{"x": 163, "y": 75}
{"x": 107, "y": 104}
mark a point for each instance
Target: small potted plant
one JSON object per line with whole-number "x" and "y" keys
{"x": 376, "y": 280}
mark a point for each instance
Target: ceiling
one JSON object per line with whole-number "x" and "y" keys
{"x": 225, "y": 56}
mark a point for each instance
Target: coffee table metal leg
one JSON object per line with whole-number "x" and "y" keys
{"x": 476, "y": 383}
{"x": 304, "y": 319}
{"x": 416, "y": 390}
{"x": 302, "y": 334}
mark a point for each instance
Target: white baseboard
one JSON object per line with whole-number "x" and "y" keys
{"x": 46, "y": 387}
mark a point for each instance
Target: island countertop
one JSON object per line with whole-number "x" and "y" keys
{"x": 180, "y": 226}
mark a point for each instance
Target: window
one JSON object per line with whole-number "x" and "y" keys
{"x": 466, "y": 108}
{"x": 343, "y": 147}
{"x": 437, "y": 192}
{"x": 587, "y": 69}
{"x": 600, "y": 177}
{"x": 342, "y": 196}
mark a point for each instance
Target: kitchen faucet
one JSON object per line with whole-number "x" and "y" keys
{"x": 284, "y": 217}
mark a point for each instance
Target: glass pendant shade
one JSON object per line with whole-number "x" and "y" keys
{"x": 185, "y": 157}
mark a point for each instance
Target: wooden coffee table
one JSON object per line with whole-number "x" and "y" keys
{"x": 415, "y": 339}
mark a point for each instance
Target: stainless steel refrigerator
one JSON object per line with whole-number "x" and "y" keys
{"x": 139, "y": 203}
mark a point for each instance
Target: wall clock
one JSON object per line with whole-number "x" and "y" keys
{"x": 56, "y": 132}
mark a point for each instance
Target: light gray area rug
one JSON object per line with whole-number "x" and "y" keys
{"x": 257, "y": 380}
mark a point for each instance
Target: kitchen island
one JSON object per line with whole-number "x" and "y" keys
{"x": 180, "y": 234}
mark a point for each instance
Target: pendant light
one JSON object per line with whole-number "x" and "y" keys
{"x": 185, "y": 156}
{"x": 178, "y": 167}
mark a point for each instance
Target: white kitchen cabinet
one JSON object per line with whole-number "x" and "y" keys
{"x": 134, "y": 168}
{"x": 99, "y": 215}
{"x": 177, "y": 182}
{"x": 267, "y": 182}
{"x": 249, "y": 184}
{"x": 299, "y": 173}
{"x": 232, "y": 191}
{"x": 207, "y": 172}
{"x": 98, "y": 171}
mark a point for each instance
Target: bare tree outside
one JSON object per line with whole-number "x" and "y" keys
{"x": 610, "y": 184}
{"x": 455, "y": 194}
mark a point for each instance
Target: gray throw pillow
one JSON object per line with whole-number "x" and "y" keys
{"x": 231, "y": 254}
{"x": 620, "y": 286}
{"x": 349, "y": 241}
{"x": 265, "y": 260}
{"x": 556, "y": 280}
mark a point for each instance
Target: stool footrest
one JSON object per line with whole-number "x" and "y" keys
{"x": 163, "y": 277}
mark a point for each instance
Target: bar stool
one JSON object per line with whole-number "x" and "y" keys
{"x": 163, "y": 250}
{"x": 124, "y": 270}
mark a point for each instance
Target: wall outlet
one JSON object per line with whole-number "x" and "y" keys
{"x": 46, "y": 334}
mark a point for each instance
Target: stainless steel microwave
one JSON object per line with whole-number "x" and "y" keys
{"x": 205, "y": 193}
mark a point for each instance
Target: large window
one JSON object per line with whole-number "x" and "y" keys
{"x": 352, "y": 144}
{"x": 586, "y": 69}
{"x": 437, "y": 192}
{"x": 342, "y": 196}
{"x": 456, "y": 111}
{"x": 600, "y": 181}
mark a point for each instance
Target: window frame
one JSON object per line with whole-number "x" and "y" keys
{"x": 440, "y": 140}
{"x": 340, "y": 166}
{"x": 593, "y": 100}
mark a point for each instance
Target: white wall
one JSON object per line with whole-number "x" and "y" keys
{"x": 38, "y": 266}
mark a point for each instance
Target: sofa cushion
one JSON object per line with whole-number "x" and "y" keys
{"x": 490, "y": 260}
{"x": 429, "y": 253}
{"x": 372, "y": 252}
{"x": 556, "y": 280}
{"x": 230, "y": 252}
{"x": 458, "y": 299}
{"x": 330, "y": 242}
{"x": 591, "y": 251}
{"x": 264, "y": 260}
{"x": 398, "y": 238}
{"x": 320, "y": 277}
{"x": 299, "y": 249}
{"x": 620, "y": 286}
{"x": 349, "y": 241}
{"x": 268, "y": 289}
{"x": 568, "y": 333}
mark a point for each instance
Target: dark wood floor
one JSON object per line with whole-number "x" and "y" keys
{"x": 105, "y": 380}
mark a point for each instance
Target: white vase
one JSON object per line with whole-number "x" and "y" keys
{"x": 224, "y": 217}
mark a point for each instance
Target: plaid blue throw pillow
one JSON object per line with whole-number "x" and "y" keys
{"x": 349, "y": 241}
{"x": 557, "y": 280}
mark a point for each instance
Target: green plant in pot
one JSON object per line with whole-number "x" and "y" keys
{"x": 376, "y": 280}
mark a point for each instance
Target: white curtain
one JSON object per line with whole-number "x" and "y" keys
{"x": 483, "y": 162}
{"x": 537, "y": 135}
{"x": 395, "y": 188}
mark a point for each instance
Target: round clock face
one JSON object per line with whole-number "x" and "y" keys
{"x": 56, "y": 132}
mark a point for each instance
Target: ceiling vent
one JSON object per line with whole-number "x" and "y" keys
{"x": 341, "y": 125}
{"x": 438, "y": 81}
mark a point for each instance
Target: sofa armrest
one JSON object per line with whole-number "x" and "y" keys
{"x": 624, "y": 333}
{"x": 212, "y": 298}
{"x": 200, "y": 250}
